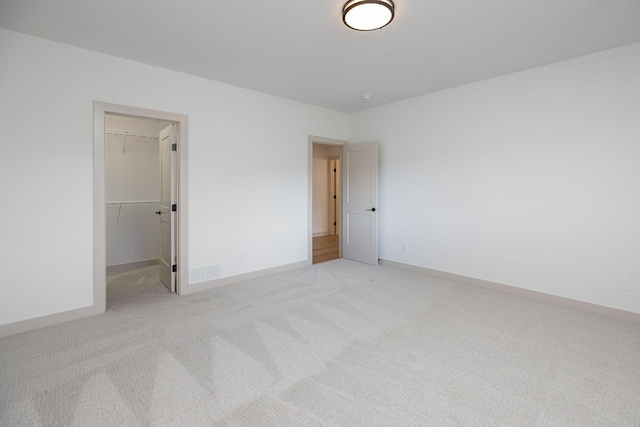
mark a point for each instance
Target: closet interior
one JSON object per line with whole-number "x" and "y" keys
{"x": 132, "y": 192}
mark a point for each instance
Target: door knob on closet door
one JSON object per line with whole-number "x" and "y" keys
{"x": 372, "y": 209}
{"x": 159, "y": 213}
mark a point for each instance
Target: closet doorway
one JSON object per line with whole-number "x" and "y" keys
{"x": 326, "y": 219}
{"x": 139, "y": 205}
{"x": 138, "y": 187}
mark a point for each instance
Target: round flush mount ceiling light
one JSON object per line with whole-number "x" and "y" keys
{"x": 367, "y": 15}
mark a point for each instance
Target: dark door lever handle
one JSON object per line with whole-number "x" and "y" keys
{"x": 372, "y": 209}
{"x": 159, "y": 212}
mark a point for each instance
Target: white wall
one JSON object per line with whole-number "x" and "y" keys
{"x": 247, "y": 169}
{"x": 530, "y": 179}
{"x": 321, "y": 154}
{"x": 133, "y": 231}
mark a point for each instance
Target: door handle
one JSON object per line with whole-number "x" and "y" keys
{"x": 372, "y": 209}
{"x": 159, "y": 213}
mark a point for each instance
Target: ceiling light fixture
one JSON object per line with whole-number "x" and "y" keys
{"x": 367, "y": 15}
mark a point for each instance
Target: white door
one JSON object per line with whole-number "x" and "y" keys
{"x": 167, "y": 200}
{"x": 360, "y": 201}
{"x": 334, "y": 195}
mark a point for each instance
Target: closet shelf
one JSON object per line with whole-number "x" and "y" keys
{"x": 133, "y": 202}
{"x": 126, "y": 134}
{"x": 120, "y": 204}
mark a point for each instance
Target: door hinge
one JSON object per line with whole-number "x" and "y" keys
{"x": 174, "y": 268}
{"x": 334, "y": 223}
{"x": 174, "y": 208}
{"x": 334, "y": 196}
{"x": 334, "y": 170}
{"x": 174, "y": 147}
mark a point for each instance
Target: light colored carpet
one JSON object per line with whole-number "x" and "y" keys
{"x": 135, "y": 288}
{"x": 337, "y": 344}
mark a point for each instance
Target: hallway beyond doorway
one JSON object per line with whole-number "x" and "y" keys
{"x": 326, "y": 248}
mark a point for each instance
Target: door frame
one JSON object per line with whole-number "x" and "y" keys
{"x": 100, "y": 109}
{"x": 312, "y": 139}
{"x": 333, "y": 203}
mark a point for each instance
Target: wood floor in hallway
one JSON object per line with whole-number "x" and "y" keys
{"x": 326, "y": 248}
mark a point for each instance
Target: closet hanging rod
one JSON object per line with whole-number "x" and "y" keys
{"x": 132, "y": 202}
{"x": 117, "y": 132}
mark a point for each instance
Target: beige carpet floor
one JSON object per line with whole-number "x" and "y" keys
{"x": 336, "y": 344}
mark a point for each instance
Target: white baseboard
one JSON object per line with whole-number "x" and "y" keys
{"x": 321, "y": 234}
{"x": 223, "y": 281}
{"x": 79, "y": 313}
{"x": 602, "y": 310}
{"x": 131, "y": 265}
{"x": 43, "y": 321}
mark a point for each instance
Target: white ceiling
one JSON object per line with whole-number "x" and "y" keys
{"x": 300, "y": 49}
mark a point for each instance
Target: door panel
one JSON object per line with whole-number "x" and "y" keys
{"x": 359, "y": 230}
{"x": 167, "y": 216}
{"x": 359, "y": 182}
{"x": 360, "y": 199}
{"x": 334, "y": 196}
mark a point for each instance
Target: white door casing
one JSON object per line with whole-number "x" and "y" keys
{"x": 100, "y": 110}
{"x": 167, "y": 258}
{"x": 360, "y": 201}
